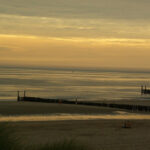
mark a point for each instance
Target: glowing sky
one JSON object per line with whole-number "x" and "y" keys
{"x": 87, "y": 33}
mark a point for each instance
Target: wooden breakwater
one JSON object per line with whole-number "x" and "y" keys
{"x": 100, "y": 104}
{"x": 145, "y": 90}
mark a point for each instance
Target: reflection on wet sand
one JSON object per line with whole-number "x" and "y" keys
{"x": 58, "y": 117}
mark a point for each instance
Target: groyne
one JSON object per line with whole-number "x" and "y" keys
{"x": 145, "y": 90}
{"x": 89, "y": 103}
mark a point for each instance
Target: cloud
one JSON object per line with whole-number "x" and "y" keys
{"x": 68, "y": 28}
{"x": 8, "y": 48}
{"x": 5, "y": 49}
{"x": 74, "y": 51}
{"x": 110, "y": 9}
{"x": 88, "y": 32}
{"x": 76, "y": 18}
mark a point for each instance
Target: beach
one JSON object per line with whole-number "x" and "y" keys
{"x": 74, "y": 72}
{"x": 96, "y": 134}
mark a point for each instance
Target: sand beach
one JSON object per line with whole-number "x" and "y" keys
{"x": 97, "y": 134}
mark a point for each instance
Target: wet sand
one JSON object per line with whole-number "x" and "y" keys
{"x": 28, "y": 108}
{"x": 8, "y": 108}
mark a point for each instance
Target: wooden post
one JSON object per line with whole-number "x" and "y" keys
{"x": 60, "y": 101}
{"x": 24, "y": 94}
{"x": 141, "y": 89}
{"x": 76, "y": 100}
{"x": 18, "y": 96}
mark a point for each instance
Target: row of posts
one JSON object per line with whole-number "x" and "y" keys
{"x": 18, "y": 95}
{"x": 144, "y": 90}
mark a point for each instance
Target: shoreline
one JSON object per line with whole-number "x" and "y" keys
{"x": 73, "y": 117}
{"x": 35, "y": 111}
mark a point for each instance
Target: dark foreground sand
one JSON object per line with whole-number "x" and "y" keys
{"x": 96, "y": 134}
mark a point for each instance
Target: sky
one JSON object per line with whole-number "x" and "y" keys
{"x": 75, "y": 33}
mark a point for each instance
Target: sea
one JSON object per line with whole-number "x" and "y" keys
{"x": 88, "y": 84}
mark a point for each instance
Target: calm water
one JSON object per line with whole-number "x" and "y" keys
{"x": 71, "y": 83}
